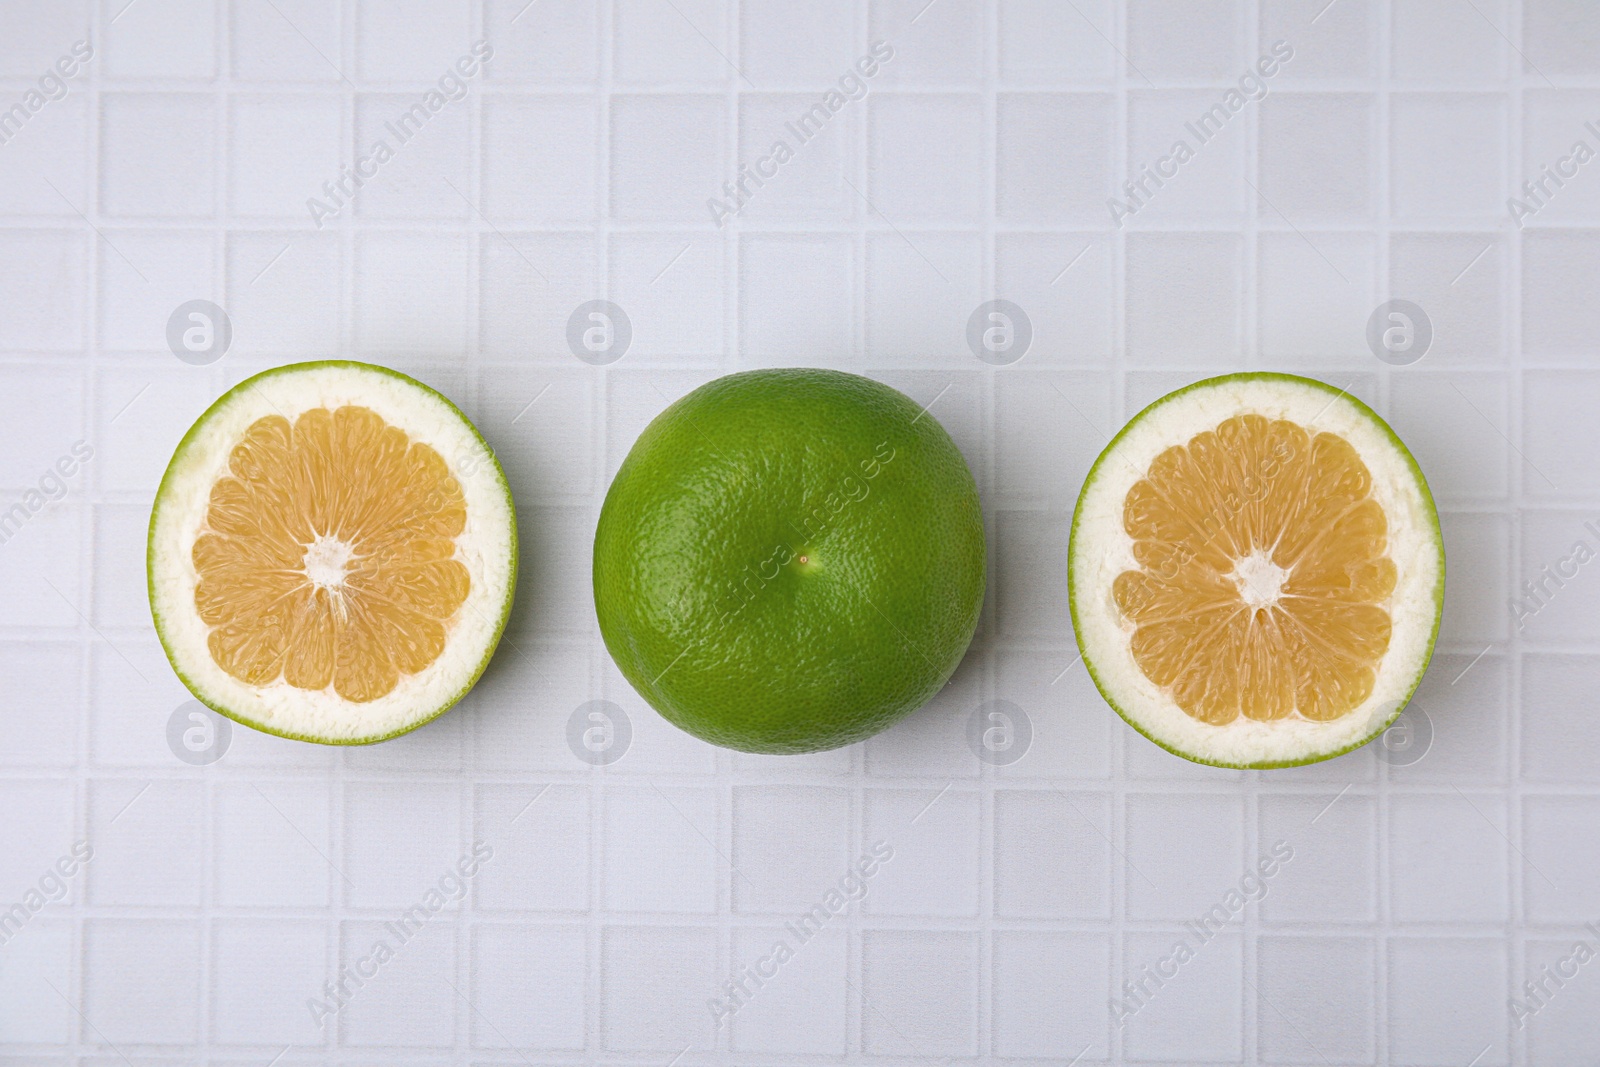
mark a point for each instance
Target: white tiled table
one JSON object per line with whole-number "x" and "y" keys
{"x": 1019, "y": 899}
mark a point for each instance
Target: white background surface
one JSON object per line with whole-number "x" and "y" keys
{"x": 1019, "y": 899}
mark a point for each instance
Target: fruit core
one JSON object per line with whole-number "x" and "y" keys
{"x": 327, "y": 554}
{"x": 1260, "y": 580}
{"x": 326, "y": 560}
{"x": 1263, "y": 584}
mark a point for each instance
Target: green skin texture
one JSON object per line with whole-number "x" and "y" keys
{"x": 178, "y": 454}
{"x": 714, "y": 498}
{"x": 1438, "y": 590}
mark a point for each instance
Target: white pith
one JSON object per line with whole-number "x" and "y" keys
{"x": 326, "y": 561}
{"x": 1260, "y": 580}
{"x": 1101, "y": 549}
{"x": 485, "y": 547}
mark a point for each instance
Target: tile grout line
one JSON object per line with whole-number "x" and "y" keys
{"x": 335, "y": 1035}
{"x": 855, "y": 1032}
{"x": 731, "y": 238}
{"x": 89, "y": 340}
{"x": 989, "y": 284}
{"x": 727, "y": 256}
{"x": 1250, "y": 295}
{"x": 275, "y": 225}
{"x": 467, "y": 920}
{"x": 465, "y": 926}
{"x": 1120, "y": 882}
{"x": 1382, "y": 180}
{"x": 857, "y": 166}
{"x": 220, "y": 201}
{"x": 1516, "y": 485}
{"x": 599, "y": 779}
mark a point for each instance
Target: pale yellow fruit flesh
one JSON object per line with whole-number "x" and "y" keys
{"x": 326, "y": 556}
{"x": 1263, "y": 587}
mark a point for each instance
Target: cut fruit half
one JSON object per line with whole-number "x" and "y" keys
{"x": 1256, "y": 572}
{"x": 332, "y": 554}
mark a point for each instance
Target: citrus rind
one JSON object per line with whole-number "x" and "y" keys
{"x": 790, "y": 560}
{"x": 1100, "y": 549}
{"x": 487, "y": 547}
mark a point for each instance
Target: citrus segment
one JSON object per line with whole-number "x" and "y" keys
{"x": 1265, "y": 584}
{"x": 1256, "y": 572}
{"x": 318, "y": 567}
{"x": 326, "y": 555}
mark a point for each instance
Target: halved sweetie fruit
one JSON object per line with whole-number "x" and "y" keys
{"x": 332, "y": 553}
{"x": 1256, "y": 572}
